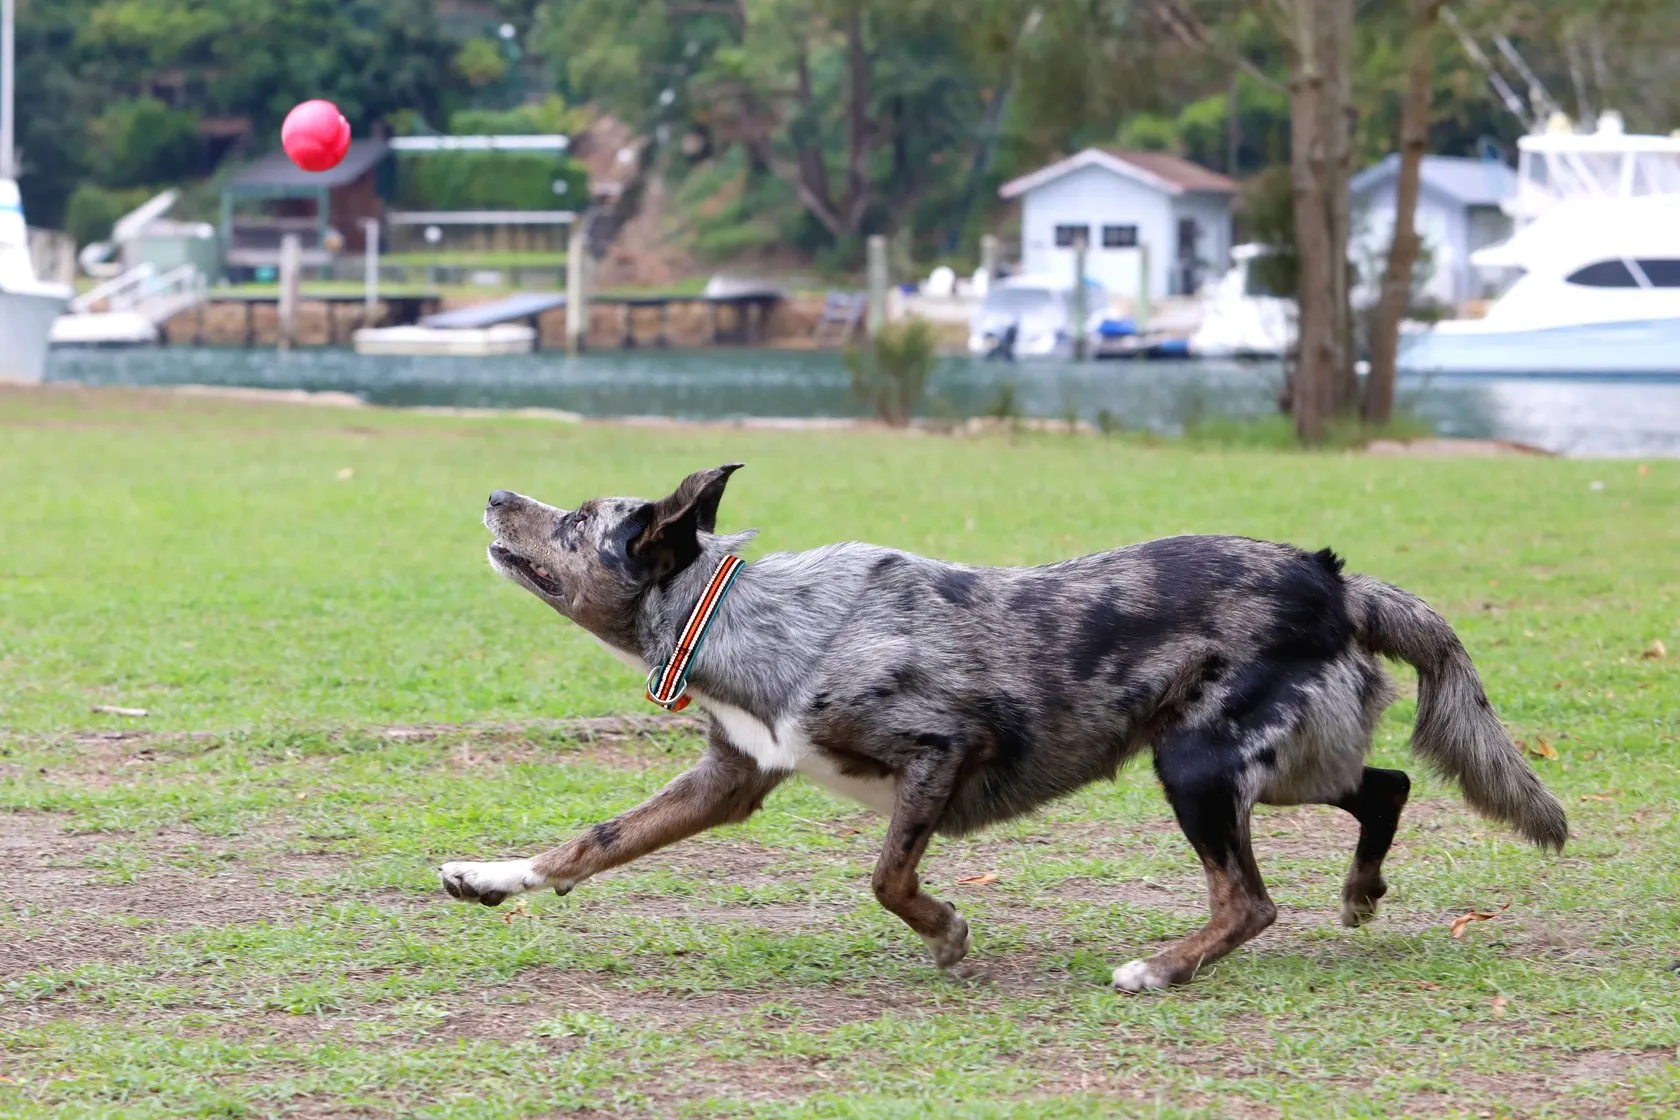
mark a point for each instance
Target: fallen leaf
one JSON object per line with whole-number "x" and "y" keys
{"x": 1463, "y": 920}
{"x": 345, "y": 474}
{"x": 1541, "y": 749}
{"x": 113, "y": 710}
{"x": 1499, "y": 1003}
{"x": 4, "y": 1080}
{"x": 978, "y": 880}
{"x": 1597, "y": 797}
{"x": 517, "y": 910}
{"x": 1644, "y": 470}
{"x": 1654, "y": 651}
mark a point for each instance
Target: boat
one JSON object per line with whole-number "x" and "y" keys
{"x": 1597, "y": 294}
{"x": 28, "y": 306}
{"x": 1241, "y": 318}
{"x": 419, "y": 341}
{"x": 1032, "y": 317}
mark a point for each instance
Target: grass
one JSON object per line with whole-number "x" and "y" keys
{"x": 227, "y": 908}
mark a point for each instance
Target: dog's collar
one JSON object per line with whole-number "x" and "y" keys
{"x": 667, "y": 683}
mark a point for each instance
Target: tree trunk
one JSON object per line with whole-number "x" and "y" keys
{"x": 1320, "y": 153}
{"x": 1306, "y": 161}
{"x": 1378, "y": 406}
{"x": 1339, "y": 123}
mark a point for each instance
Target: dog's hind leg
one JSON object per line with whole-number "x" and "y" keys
{"x": 724, "y": 787}
{"x": 1376, "y": 805}
{"x": 1204, "y": 780}
{"x": 923, "y": 791}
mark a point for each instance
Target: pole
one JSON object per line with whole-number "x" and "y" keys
{"x": 370, "y": 273}
{"x": 1142, "y": 316}
{"x": 577, "y": 309}
{"x": 1080, "y": 311}
{"x": 989, "y": 257}
{"x": 8, "y": 51}
{"x": 290, "y": 252}
{"x": 877, "y": 284}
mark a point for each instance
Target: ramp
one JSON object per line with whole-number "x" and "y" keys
{"x": 479, "y": 316}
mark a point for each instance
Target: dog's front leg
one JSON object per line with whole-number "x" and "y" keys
{"x": 724, "y": 787}
{"x": 924, "y": 789}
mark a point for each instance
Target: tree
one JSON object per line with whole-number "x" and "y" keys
{"x": 1378, "y": 404}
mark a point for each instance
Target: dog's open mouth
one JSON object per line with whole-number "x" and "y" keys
{"x": 534, "y": 574}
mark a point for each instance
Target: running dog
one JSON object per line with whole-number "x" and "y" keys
{"x": 950, "y": 697}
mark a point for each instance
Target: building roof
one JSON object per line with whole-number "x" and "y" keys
{"x": 1163, "y": 171}
{"x": 1469, "y": 182}
{"x": 276, "y": 171}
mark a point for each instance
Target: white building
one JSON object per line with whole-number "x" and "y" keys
{"x": 1458, "y": 212}
{"x": 1124, "y": 203}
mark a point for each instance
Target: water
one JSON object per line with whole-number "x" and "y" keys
{"x": 1585, "y": 417}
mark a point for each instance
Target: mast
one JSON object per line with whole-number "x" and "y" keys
{"x": 8, "y": 65}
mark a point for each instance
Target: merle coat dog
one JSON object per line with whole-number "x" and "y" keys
{"x": 948, "y": 697}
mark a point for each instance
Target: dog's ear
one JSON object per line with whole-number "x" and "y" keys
{"x": 670, "y": 542}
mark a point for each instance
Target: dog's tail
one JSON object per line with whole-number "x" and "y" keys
{"x": 1457, "y": 733}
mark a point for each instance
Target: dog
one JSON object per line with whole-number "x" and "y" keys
{"x": 949, "y": 697}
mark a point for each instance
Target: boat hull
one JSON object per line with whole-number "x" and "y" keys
{"x": 26, "y": 320}
{"x": 1638, "y": 349}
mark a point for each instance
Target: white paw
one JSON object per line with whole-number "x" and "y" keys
{"x": 489, "y": 883}
{"x": 1138, "y": 976}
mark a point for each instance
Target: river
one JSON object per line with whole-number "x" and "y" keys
{"x": 1586, "y": 417}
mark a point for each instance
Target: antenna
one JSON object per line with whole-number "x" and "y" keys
{"x": 1507, "y": 96}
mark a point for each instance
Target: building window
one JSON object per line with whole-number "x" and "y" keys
{"x": 1604, "y": 274}
{"x": 1069, "y": 236}
{"x": 1120, "y": 237}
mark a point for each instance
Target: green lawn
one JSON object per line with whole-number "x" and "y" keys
{"x": 228, "y": 908}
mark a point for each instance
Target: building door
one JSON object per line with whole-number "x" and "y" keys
{"x": 1187, "y": 263}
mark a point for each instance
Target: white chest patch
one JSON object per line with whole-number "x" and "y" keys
{"x": 789, "y": 749}
{"x": 752, "y": 736}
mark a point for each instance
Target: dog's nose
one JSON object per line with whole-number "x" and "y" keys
{"x": 502, "y": 497}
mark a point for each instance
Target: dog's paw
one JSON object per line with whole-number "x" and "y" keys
{"x": 1140, "y": 976}
{"x": 951, "y": 946}
{"x": 488, "y": 883}
{"x": 1359, "y": 904}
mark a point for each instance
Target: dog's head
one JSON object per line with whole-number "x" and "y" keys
{"x": 593, "y": 563}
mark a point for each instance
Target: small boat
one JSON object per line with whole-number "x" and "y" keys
{"x": 1032, "y": 317}
{"x": 503, "y": 338}
{"x": 1598, "y": 295}
{"x": 1240, "y": 317}
{"x": 28, "y": 306}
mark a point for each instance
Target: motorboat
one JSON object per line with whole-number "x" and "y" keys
{"x": 28, "y": 306}
{"x": 1033, "y": 317}
{"x": 1240, "y": 316}
{"x": 1597, "y": 293}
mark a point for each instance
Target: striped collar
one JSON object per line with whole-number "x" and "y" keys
{"x": 668, "y": 683}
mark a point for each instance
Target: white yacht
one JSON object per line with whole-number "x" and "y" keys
{"x": 28, "y": 306}
{"x": 1593, "y": 267}
{"x": 1598, "y": 294}
{"x": 1240, "y": 318}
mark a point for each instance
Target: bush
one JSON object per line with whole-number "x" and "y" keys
{"x": 891, "y": 376}
{"x": 144, "y": 141}
{"x": 92, "y": 210}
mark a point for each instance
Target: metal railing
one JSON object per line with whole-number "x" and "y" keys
{"x": 140, "y": 286}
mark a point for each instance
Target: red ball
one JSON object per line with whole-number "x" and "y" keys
{"x": 315, "y": 135}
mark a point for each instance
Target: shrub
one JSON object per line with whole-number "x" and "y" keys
{"x": 891, "y": 375}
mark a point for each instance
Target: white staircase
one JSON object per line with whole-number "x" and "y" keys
{"x": 128, "y": 310}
